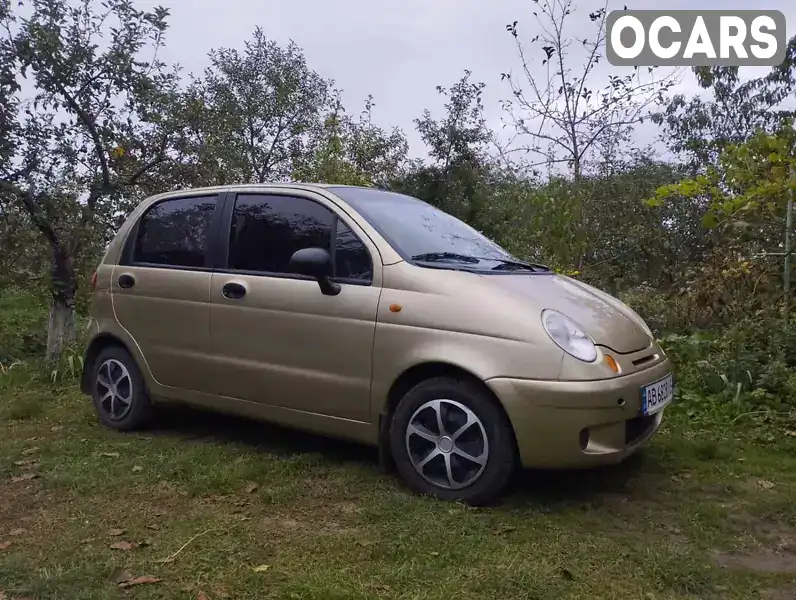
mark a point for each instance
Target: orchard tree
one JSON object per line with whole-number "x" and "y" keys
{"x": 457, "y": 143}
{"x": 751, "y": 181}
{"x": 352, "y": 151}
{"x": 84, "y": 105}
{"x": 559, "y": 110}
{"x": 745, "y": 194}
{"x": 565, "y": 111}
{"x": 700, "y": 128}
{"x": 251, "y": 114}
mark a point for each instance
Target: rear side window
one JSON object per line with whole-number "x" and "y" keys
{"x": 267, "y": 230}
{"x": 174, "y": 232}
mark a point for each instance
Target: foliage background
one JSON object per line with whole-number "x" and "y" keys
{"x": 91, "y": 122}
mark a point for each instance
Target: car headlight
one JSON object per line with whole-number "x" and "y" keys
{"x": 568, "y": 336}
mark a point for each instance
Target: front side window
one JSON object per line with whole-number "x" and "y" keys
{"x": 351, "y": 257}
{"x": 267, "y": 230}
{"x": 174, "y": 232}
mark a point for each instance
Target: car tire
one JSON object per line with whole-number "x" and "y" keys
{"x": 465, "y": 408}
{"x": 118, "y": 390}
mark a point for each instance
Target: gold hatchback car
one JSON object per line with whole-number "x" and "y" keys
{"x": 373, "y": 316}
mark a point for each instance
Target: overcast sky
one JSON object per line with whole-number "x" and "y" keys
{"x": 397, "y": 50}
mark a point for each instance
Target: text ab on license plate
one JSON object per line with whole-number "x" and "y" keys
{"x": 656, "y": 395}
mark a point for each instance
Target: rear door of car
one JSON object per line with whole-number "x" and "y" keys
{"x": 161, "y": 288}
{"x": 283, "y": 342}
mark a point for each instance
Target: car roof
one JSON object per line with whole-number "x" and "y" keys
{"x": 253, "y": 187}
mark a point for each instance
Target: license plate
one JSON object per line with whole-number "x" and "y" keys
{"x": 657, "y": 395}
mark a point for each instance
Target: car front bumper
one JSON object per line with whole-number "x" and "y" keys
{"x": 572, "y": 424}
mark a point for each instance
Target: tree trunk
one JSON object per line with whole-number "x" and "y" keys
{"x": 61, "y": 329}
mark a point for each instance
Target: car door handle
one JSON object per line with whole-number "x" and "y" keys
{"x": 126, "y": 281}
{"x": 233, "y": 291}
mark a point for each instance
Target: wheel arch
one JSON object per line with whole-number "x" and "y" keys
{"x": 421, "y": 372}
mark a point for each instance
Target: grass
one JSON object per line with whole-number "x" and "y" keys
{"x": 218, "y": 507}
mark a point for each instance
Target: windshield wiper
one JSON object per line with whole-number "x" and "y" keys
{"x": 437, "y": 256}
{"x": 511, "y": 265}
{"x": 505, "y": 264}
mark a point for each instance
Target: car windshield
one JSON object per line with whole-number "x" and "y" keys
{"x": 420, "y": 232}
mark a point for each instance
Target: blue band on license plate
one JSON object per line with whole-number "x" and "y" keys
{"x": 657, "y": 395}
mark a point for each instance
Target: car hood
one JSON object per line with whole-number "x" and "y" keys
{"x": 608, "y": 321}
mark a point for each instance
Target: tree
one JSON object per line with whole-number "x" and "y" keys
{"x": 560, "y": 116}
{"x": 94, "y": 125}
{"x": 745, "y": 194}
{"x": 750, "y": 182}
{"x": 457, "y": 143}
{"x": 353, "y": 152}
{"x": 251, "y": 114}
{"x": 701, "y": 128}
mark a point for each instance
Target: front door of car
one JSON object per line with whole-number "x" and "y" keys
{"x": 161, "y": 288}
{"x": 276, "y": 338}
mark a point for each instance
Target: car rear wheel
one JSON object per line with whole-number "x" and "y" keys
{"x": 118, "y": 390}
{"x": 449, "y": 439}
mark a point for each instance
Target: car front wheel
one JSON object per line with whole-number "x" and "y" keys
{"x": 450, "y": 439}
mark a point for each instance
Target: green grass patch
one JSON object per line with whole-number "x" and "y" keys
{"x": 219, "y": 507}
{"x": 321, "y": 521}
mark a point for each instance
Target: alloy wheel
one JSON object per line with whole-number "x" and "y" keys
{"x": 114, "y": 388}
{"x": 447, "y": 444}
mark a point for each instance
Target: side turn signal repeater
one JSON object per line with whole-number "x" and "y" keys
{"x": 611, "y": 362}
{"x": 395, "y": 308}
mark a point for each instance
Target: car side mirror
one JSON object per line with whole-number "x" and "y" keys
{"x": 315, "y": 263}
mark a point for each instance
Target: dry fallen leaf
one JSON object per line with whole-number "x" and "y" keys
{"x": 124, "y": 545}
{"x": 116, "y": 532}
{"x": 139, "y": 581}
{"x": 110, "y": 454}
{"x": 199, "y": 596}
{"x": 765, "y": 484}
{"x": 251, "y": 488}
{"x": 153, "y": 527}
{"x": 261, "y": 568}
{"x": 24, "y": 477}
{"x": 137, "y": 469}
{"x": 4, "y": 545}
{"x": 30, "y": 451}
{"x": 15, "y": 532}
{"x": 790, "y": 433}
{"x": 55, "y": 428}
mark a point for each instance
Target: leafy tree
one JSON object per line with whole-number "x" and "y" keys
{"x": 94, "y": 125}
{"x": 456, "y": 179}
{"x": 751, "y": 181}
{"x": 701, "y": 128}
{"x": 353, "y": 152}
{"x": 745, "y": 196}
{"x": 251, "y": 114}
{"x": 561, "y": 115}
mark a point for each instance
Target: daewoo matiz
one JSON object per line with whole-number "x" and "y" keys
{"x": 373, "y": 316}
